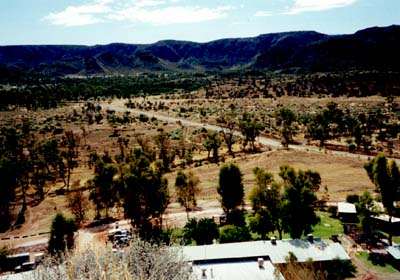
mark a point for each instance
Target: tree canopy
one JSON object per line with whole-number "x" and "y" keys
{"x": 386, "y": 178}
{"x": 186, "y": 190}
{"x": 230, "y": 187}
{"x": 299, "y": 198}
{"x": 144, "y": 190}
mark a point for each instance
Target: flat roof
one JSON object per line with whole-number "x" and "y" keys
{"x": 394, "y": 251}
{"x": 237, "y": 271}
{"x": 384, "y": 217}
{"x": 304, "y": 250}
{"x": 349, "y": 208}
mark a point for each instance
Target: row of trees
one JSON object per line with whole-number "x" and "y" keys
{"x": 334, "y": 84}
{"x": 332, "y": 123}
{"x": 37, "y": 94}
{"x": 385, "y": 175}
{"x": 286, "y": 206}
{"x": 359, "y": 130}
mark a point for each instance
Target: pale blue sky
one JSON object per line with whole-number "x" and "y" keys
{"x": 90, "y": 22}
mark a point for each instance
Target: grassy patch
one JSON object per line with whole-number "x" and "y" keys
{"x": 386, "y": 268}
{"x": 328, "y": 226}
{"x": 396, "y": 239}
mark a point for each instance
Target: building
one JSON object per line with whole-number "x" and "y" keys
{"x": 386, "y": 223}
{"x": 257, "y": 259}
{"x": 347, "y": 212}
{"x": 394, "y": 253}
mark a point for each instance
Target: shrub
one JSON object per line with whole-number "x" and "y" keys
{"x": 332, "y": 210}
{"x": 203, "y": 231}
{"x": 352, "y": 198}
{"x": 140, "y": 260}
{"x": 352, "y": 147}
{"x": 236, "y": 218}
{"x": 230, "y": 233}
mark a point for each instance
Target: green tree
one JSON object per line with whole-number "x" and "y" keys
{"x": 144, "y": 190}
{"x": 104, "y": 190}
{"x": 286, "y": 118}
{"x": 327, "y": 124}
{"x": 298, "y": 209}
{"x": 70, "y": 144}
{"x": 203, "y": 231}
{"x": 366, "y": 209}
{"x": 212, "y": 143}
{"x": 267, "y": 202}
{"x": 230, "y": 187}
{"x": 186, "y": 190}
{"x": 250, "y": 128}
{"x": 165, "y": 155}
{"x": 61, "y": 234}
{"x": 385, "y": 176}
{"x": 40, "y": 173}
{"x": 77, "y": 202}
{"x": 231, "y": 233}
{"x": 8, "y": 179}
{"x": 228, "y": 123}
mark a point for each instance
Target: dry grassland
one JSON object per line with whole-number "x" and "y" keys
{"x": 341, "y": 175}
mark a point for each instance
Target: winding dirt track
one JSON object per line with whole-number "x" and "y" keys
{"x": 261, "y": 139}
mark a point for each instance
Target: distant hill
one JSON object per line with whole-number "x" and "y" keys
{"x": 372, "y": 48}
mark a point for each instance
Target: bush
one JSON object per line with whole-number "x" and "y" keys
{"x": 352, "y": 147}
{"x": 143, "y": 118}
{"x": 236, "y": 218}
{"x": 230, "y": 233}
{"x": 353, "y": 198}
{"x": 203, "y": 231}
{"x": 332, "y": 210}
{"x": 140, "y": 260}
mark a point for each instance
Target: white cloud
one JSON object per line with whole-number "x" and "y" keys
{"x": 264, "y": 14}
{"x": 169, "y": 15}
{"x": 148, "y": 3}
{"x": 104, "y": 1}
{"x": 156, "y": 12}
{"x": 302, "y": 6}
{"x": 78, "y": 15}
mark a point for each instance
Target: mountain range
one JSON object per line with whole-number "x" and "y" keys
{"x": 371, "y": 48}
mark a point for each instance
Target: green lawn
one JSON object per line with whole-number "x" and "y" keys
{"x": 325, "y": 229}
{"x": 396, "y": 239}
{"x": 328, "y": 226}
{"x": 386, "y": 268}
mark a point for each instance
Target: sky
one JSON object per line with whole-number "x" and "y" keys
{"x": 91, "y": 22}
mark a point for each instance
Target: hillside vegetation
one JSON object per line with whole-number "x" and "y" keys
{"x": 305, "y": 51}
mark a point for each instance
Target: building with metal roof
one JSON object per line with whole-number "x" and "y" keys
{"x": 230, "y": 260}
{"x": 347, "y": 212}
{"x": 344, "y": 207}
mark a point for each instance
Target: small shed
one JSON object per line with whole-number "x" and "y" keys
{"x": 347, "y": 212}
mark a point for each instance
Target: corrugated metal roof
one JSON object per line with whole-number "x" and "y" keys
{"x": 304, "y": 250}
{"x": 344, "y": 207}
{"x": 237, "y": 271}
